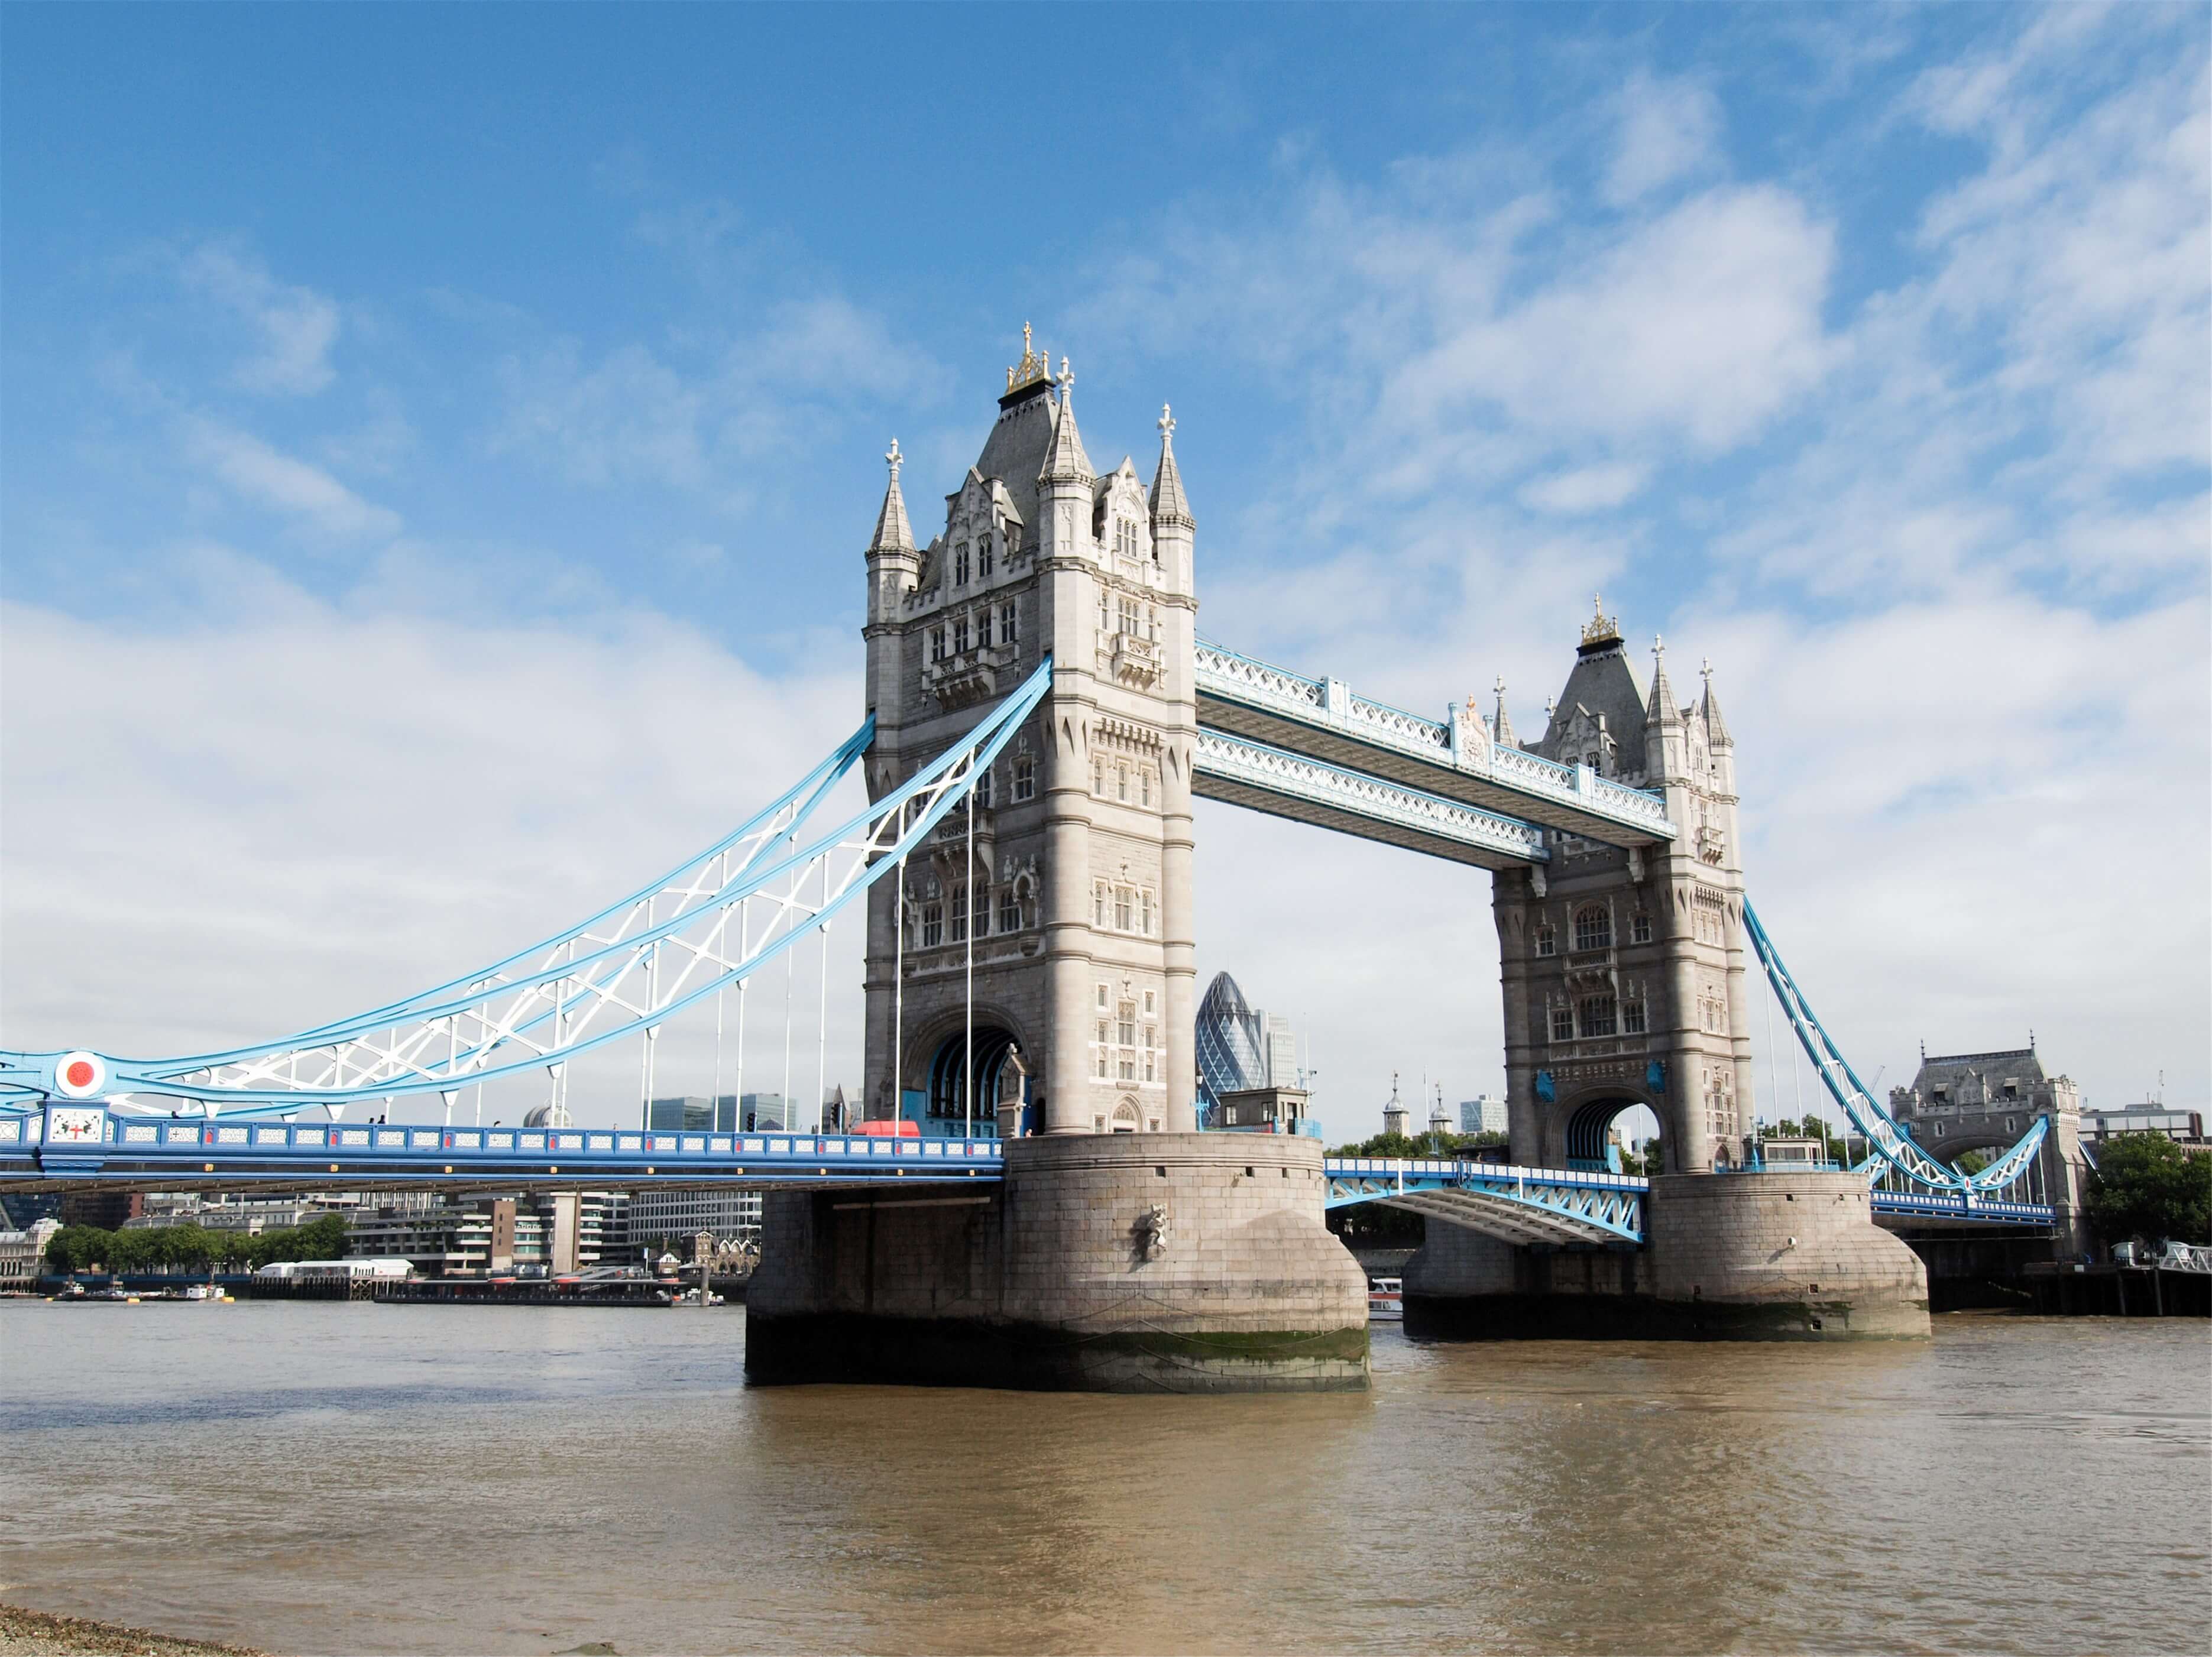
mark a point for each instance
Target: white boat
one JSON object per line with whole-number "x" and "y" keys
{"x": 1386, "y": 1300}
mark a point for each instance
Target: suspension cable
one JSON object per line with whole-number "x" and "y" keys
{"x": 898, "y": 1007}
{"x": 968, "y": 907}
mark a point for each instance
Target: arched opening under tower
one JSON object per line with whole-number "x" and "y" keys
{"x": 949, "y": 1075}
{"x": 1601, "y": 1131}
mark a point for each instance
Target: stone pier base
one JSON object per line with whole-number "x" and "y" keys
{"x": 1728, "y": 1257}
{"x": 1181, "y": 1262}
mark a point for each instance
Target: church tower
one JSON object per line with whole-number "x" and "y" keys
{"x": 1625, "y": 970}
{"x": 1070, "y": 912}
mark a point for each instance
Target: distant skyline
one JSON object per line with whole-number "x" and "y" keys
{"x": 436, "y": 446}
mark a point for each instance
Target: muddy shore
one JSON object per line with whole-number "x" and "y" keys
{"x": 39, "y": 1633}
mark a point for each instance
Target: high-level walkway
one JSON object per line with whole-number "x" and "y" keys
{"x": 1277, "y": 711}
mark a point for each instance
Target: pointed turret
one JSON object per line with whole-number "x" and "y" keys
{"x": 893, "y": 533}
{"x": 1717, "y": 734}
{"x": 1168, "y": 506}
{"x": 1501, "y": 727}
{"x": 1064, "y": 460}
{"x": 1659, "y": 709}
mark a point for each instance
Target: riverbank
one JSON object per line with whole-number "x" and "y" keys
{"x": 26, "y": 1633}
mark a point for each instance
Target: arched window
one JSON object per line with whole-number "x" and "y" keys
{"x": 1639, "y": 929}
{"x": 1546, "y": 942}
{"x": 1010, "y": 910}
{"x": 960, "y": 565}
{"x": 1598, "y": 1015}
{"x": 1593, "y": 927}
{"x": 1563, "y": 1024}
{"x": 983, "y": 788}
{"x": 1025, "y": 777}
{"x": 983, "y": 554}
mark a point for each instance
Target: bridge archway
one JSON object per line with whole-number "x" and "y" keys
{"x": 1584, "y": 1124}
{"x": 946, "y": 1099}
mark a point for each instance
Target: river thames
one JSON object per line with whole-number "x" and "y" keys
{"x": 349, "y": 1478}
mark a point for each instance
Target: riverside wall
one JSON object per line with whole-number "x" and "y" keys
{"x": 1180, "y": 1262}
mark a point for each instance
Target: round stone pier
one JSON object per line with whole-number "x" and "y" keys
{"x": 1727, "y": 1257}
{"x": 1780, "y": 1257}
{"x": 1174, "y": 1262}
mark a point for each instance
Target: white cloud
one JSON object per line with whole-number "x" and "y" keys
{"x": 278, "y": 810}
{"x": 1669, "y": 130}
{"x": 253, "y": 471}
{"x": 294, "y": 327}
{"x": 1585, "y": 489}
{"x": 630, "y": 419}
{"x": 1700, "y": 327}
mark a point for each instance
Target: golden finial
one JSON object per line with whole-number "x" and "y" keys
{"x": 1600, "y": 629}
{"x": 1034, "y": 365}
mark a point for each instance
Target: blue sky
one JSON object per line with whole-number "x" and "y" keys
{"x": 438, "y": 443}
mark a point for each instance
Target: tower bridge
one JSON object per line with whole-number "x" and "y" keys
{"x": 1040, "y": 713}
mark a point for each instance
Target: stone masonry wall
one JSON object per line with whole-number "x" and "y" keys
{"x": 1063, "y": 1277}
{"x": 1776, "y": 1241}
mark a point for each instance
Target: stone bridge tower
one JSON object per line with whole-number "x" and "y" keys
{"x": 1624, "y": 970}
{"x": 1123, "y": 1250}
{"x": 1078, "y": 905}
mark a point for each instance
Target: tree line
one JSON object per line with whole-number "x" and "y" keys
{"x": 191, "y": 1246}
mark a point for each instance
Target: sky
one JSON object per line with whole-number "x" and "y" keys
{"x": 437, "y": 446}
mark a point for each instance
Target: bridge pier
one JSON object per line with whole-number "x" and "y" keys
{"x": 1770, "y": 1256}
{"x": 1154, "y": 1262}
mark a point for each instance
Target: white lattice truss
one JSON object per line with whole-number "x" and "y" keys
{"x": 1224, "y": 673}
{"x": 707, "y": 924}
{"x": 1271, "y": 771}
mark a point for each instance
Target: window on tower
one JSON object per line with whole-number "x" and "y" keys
{"x": 1547, "y": 941}
{"x": 1010, "y": 911}
{"x": 960, "y": 565}
{"x": 1025, "y": 777}
{"x": 1632, "y": 1017}
{"x": 1598, "y": 1015}
{"x": 983, "y": 789}
{"x": 937, "y": 644}
{"x": 1593, "y": 927}
{"x": 932, "y": 925}
{"x": 1006, "y": 624}
{"x": 960, "y": 634}
{"x": 1639, "y": 929}
{"x": 959, "y": 913}
{"x": 1563, "y": 1024}
{"x": 983, "y": 554}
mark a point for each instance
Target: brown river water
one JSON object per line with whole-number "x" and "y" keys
{"x": 318, "y": 1478}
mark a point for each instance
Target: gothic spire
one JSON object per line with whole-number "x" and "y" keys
{"x": 893, "y": 533}
{"x": 1064, "y": 460}
{"x": 1169, "y": 506}
{"x": 1661, "y": 709}
{"x": 1715, "y": 731}
{"x": 1501, "y": 728}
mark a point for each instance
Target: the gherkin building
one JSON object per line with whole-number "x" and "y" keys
{"x": 1232, "y": 1054}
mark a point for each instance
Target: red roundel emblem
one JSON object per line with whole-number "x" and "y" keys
{"x": 80, "y": 1075}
